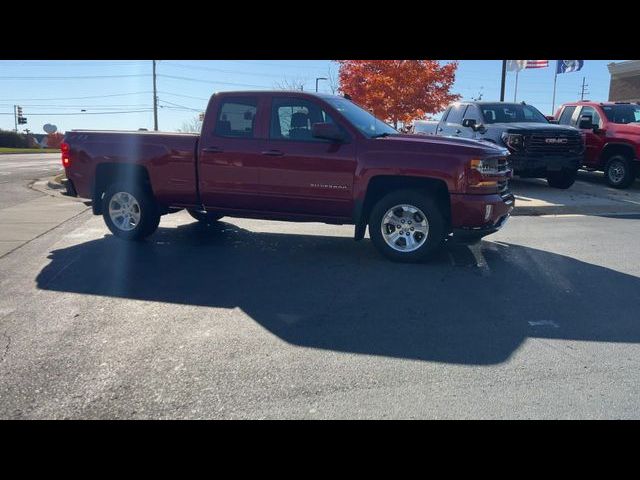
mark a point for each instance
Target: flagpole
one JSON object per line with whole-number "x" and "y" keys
{"x": 504, "y": 74}
{"x": 555, "y": 79}
{"x": 515, "y": 92}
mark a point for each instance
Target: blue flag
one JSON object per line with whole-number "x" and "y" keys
{"x": 566, "y": 66}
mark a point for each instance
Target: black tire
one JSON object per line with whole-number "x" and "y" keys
{"x": 205, "y": 217}
{"x": 436, "y": 225}
{"x": 148, "y": 211}
{"x": 563, "y": 179}
{"x": 619, "y": 172}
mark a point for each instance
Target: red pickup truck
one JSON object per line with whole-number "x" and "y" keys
{"x": 612, "y": 137}
{"x": 299, "y": 157}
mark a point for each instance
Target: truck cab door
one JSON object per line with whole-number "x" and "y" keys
{"x": 452, "y": 125}
{"x": 472, "y": 113}
{"x": 229, "y": 156}
{"x": 300, "y": 173}
{"x": 594, "y": 140}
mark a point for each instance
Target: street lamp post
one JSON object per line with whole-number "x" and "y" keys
{"x": 319, "y": 78}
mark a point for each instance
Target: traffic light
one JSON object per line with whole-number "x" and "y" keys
{"x": 21, "y": 120}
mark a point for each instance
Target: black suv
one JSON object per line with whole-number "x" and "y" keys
{"x": 539, "y": 148}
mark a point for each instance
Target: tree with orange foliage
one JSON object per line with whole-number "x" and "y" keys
{"x": 54, "y": 140}
{"x": 399, "y": 90}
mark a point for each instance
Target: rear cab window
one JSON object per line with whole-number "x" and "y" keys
{"x": 236, "y": 117}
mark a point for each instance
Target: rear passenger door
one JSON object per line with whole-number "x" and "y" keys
{"x": 230, "y": 154}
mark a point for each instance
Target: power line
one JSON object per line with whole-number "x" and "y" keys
{"x": 77, "y": 77}
{"x": 212, "y": 82}
{"x": 182, "y": 106}
{"x": 185, "y": 96}
{"x": 86, "y": 113}
{"x": 212, "y": 69}
{"x": 71, "y": 98}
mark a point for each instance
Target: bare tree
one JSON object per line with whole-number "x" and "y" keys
{"x": 296, "y": 83}
{"x": 191, "y": 126}
{"x": 333, "y": 80}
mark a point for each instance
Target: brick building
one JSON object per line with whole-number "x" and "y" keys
{"x": 625, "y": 81}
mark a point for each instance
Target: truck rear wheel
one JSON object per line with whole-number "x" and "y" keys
{"x": 406, "y": 226}
{"x": 619, "y": 172}
{"x": 130, "y": 211}
{"x": 204, "y": 217}
{"x": 563, "y": 179}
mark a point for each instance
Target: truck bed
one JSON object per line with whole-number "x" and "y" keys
{"x": 170, "y": 159}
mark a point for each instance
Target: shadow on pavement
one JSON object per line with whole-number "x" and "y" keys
{"x": 335, "y": 294}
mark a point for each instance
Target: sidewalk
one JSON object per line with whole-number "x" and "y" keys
{"x": 588, "y": 196}
{"x": 22, "y": 223}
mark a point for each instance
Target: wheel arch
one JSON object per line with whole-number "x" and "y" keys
{"x": 107, "y": 174}
{"x": 611, "y": 149}
{"x": 381, "y": 185}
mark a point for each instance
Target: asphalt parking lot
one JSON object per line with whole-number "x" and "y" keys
{"x": 257, "y": 319}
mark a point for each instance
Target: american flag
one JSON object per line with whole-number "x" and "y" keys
{"x": 537, "y": 63}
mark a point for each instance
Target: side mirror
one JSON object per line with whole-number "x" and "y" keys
{"x": 586, "y": 122}
{"x": 469, "y": 123}
{"x": 327, "y": 131}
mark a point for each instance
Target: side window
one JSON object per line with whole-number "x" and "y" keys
{"x": 237, "y": 117}
{"x": 565, "y": 116}
{"x": 473, "y": 113}
{"x": 594, "y": 115}
{"x": 445, "y": 115}
{"x": 455, "y": 114}
{"x": 292, "y": 118}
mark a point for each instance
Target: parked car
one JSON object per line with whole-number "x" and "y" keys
{"x": 300, "y": 157}
{"x": 612, "y": 132}
{"x": 539, "y": 148}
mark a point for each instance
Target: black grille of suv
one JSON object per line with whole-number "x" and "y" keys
{"x": 554, "y": 144}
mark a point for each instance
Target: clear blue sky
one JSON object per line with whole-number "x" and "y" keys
{"x": 123, "y": 100}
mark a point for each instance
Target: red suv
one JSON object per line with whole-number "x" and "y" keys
{"x": 612, "y": 137}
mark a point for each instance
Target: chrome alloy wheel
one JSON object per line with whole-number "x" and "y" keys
{"x": 405, "y": 228}
{"x": 616, "y": 171}
{"x": 124, "y": 211}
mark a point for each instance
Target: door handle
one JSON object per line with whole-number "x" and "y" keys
{"x": 439, "y": 129}
{"x": 273, "y": 153}
{"x": 212, "y": 150}
{"x": 458, "y": 132}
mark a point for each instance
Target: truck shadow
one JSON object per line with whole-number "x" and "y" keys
{"x": 335, "y": 294}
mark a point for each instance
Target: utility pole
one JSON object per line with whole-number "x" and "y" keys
{"x": 504, "y": 76}
{"x": 155, "y": 99}
{"x": 583, "y": 91}
{"x": 15, "y": 117}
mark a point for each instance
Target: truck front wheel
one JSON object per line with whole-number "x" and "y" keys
{"x": 619, "y": 172}
{"x": 130, "y": 212}
{"x": 563, "y": 179}
{"x": 406, "y": 226}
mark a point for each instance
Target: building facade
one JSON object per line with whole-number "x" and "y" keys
{"x": 625, "y": 81}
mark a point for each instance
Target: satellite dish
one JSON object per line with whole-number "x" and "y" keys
{"x": 48, "y": 128}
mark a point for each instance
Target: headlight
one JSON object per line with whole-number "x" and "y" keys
{"x": 514, "y": 141}
{"x": 486, "y": 166}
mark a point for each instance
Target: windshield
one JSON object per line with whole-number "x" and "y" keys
{"x": 622, "y": 113}
{"x": 510, "y": 113}
{"x": 360, "y": 118}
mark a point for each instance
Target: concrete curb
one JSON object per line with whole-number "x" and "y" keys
{"x": 50, "y": 187}
{"x": 621, "y": 209}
